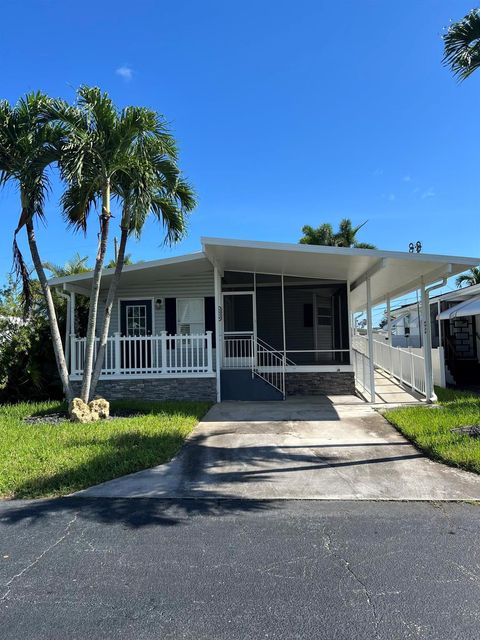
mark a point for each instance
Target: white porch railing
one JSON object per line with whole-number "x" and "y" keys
{"x": 238, "y": 350}
{"x": 403, "y": 364}
{"x": 149, "y": 355}
{"x": 361, "y": 364}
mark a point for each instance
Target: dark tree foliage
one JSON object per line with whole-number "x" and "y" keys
{"x": 28, "y": 369}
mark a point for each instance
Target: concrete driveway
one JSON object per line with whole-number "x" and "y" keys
{"x": 331, "y": 448}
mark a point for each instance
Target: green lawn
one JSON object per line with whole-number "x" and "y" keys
{"x": 46, "y": 460}
{"x": 430, "y": 428}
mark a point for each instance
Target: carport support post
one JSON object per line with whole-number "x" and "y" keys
{"x": 427, "y": 345}
{"x": 370, "y": 341}
{"x": 218, "y": 328}
{"x": 389, "y": 334}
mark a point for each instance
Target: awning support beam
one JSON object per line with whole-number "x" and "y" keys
{"x": 433, "y": 276}
{"x": 380, "y": 264}
{"x": 75, "y": 288}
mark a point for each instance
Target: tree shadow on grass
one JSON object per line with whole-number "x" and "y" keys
{"x": 123, "y": 453}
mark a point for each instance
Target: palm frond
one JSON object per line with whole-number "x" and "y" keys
{"x": 364, "y": 245}
{"x": 171, "y": 217}
{"x": 77, "y": 201}
{"x": 462, "y": 45}
{"x": 469, "y": 279}
{"x": 22, "y": 272}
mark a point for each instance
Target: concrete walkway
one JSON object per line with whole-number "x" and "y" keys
{"x": 335, "y": 448}
{"x": 390, "y": 391}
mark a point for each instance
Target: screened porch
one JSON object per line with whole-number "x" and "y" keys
{"x": 301, "y": 321}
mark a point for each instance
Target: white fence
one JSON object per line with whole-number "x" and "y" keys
{"x": 361, "y": 365}
{"x": 139, "y": 355}
{"x": 405, "y": 365}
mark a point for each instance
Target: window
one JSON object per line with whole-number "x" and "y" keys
{"x": 136, "y": 320}
{"x": 190, "y": 316}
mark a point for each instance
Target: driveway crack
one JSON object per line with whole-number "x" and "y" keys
{"x": 66, "y": 532}
{"x": 327, "y": 543}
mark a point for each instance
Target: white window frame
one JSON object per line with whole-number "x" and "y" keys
{"x": 188, "y": 298}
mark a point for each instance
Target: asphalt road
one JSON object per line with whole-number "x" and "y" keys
{"x": 145, "y": 568}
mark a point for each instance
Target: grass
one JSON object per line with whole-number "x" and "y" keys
{"x": 40, "y": 460}
{"x": 429, "y": 428}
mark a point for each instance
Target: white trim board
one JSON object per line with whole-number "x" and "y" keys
{"x": 148, "y": 376}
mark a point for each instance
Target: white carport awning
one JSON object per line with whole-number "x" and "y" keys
{"x": 467, "y": 308}
{"x": 391, "y": 273}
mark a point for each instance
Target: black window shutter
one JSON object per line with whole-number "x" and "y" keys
{"x": 123, "y": 319}
{"x": 308, "y": 315}
{"x": 171, "y": 316}
{"x": 210, "y": 316}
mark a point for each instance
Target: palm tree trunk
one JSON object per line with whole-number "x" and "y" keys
{"x": 108, "y": 310}
{"x": 95, "y": 293}
{"x": 52, "y": 316}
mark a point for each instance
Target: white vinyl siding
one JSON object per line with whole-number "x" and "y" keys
{"x": 198, "y": 286}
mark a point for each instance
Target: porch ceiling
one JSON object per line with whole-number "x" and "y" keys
{"x": 392, "y": 273}
{"x": 142, "y": 273}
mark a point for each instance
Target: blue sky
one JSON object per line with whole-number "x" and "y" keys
{"x": 285, "y": 113}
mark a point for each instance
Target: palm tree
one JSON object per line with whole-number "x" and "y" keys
{"x": 127, "y": 261}
{"x": 98, "y": 143}
{"x": 344, "y": 237}
{"x": 151, "y": 184}
{"x": 75, "y": 265}
{"x": 323, "y": 235}
{"x": 469, "y": 279}
{"x": 28, "y": 146}
{"x": 462, "y": 45}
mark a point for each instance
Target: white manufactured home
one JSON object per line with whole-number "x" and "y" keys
{"x": 245, "y": 320}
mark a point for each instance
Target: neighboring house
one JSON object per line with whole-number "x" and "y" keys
{"x": 455, "y": 327}
{"x": 248, "y": 320}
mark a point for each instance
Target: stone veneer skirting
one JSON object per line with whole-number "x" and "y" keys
{"x": 296, "y": 384}
{"x": 320, "y": 383}
{"x": 155, "y": 389}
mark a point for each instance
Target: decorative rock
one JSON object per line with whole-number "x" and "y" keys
{"x": 79, "y": 411}
{"x": 100, "y": 408}
{"x": 97, "y": 409}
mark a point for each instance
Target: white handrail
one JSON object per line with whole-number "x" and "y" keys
{"x": 273, "y": 350}
{"x": 403, "y": 364}
{"x": 269, "y": 365}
